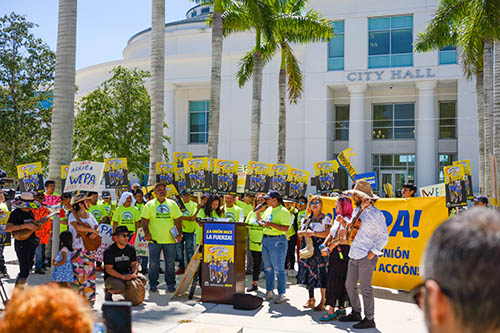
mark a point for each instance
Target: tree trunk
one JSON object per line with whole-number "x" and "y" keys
{"x": 157, "y": 86}
{"x": 215, "y": 83}
{"x": 488, "y": 112}
{"x": 480, "y": 129}
{"x": 256, "y": 106}
{"x": 496, "y": 131}
{"x": 282, "y": 111}
{"x": 61, "y": 138}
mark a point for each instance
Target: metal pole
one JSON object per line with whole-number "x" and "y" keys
{"x": 56, "y": 222}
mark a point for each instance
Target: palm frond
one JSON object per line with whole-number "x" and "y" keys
{"x": 262, "y": 16}
{"x": 303, "y": 29}
{"x": 236, "y": 18}
{"x": 245, "y": 68}
{"x": 293, "y": 73}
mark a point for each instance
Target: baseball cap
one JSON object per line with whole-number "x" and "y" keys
{"x": 106, "y": 194}
{"x": 482, "y": 199}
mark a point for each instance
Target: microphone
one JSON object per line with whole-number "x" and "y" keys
{"x": 259, "y": 207}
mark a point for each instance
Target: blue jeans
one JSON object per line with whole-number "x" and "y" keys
{"x": 39, "y": 257}
{"x": 154, "y": 264}
{"x": 144, "y": 261}
{"x": 187, "y": 246}
{"x": 274, "y": 256}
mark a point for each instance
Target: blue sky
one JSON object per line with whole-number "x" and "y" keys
{"x": 104, "y": 26}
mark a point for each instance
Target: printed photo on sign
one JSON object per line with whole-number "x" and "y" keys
{"x": 218, "y": 255}
{"x": 116, "y": 173}
{"x": 279, "y": 177}
{"x": 180, "y": 179}
{"x": 297, "y": 184}
{"x": 257, "y": 177}
{"x": 30, "y": 177}
{"x": 326, "y": 176}
{"x": 165, "y": 172}
{"x": 179, "y": 158}
{"x": 454, "y": 179}
{"x": 197, "y": 173}
{"x": 225, "y": 176}
{"x": 468, "y": 178}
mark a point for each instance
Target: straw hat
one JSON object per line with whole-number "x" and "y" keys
{"x": 363, "y": 189}
{"x": 79, "y": 198}
{"x": 26, "y": 200}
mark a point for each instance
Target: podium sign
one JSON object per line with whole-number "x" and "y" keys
{"x": 223, "y": 266}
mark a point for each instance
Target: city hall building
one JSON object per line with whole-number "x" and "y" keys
{"x": 406, "y": 114}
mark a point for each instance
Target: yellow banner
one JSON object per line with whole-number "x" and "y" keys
{"x": 64, "y": 171}
{"x": 30, "y": 169}
{"x": 410, "y": 223}
{"x": 179, "y": 158}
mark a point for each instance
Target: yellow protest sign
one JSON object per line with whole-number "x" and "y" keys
{"x": 165, "y": 172}
{"x": 468, "y": 178}
{"x": 279, "y": 177}
{"x": 197, "y": 173}
{"x": 30, "y": 177}
{"x": 171, "y": 191}
{"x": 257, "y": 180}
{"x": 4, "y": 217}
{"x": 344, "y": 159}
{"x": 64, "y": 171}
{"x": 179, "y": 157}
{"x": 297, "y": 183}
{"x": 456, "y": 192}
{"x": 225, "y": 176}
{"x": 116, "y": 172}
{"x": 326, "y": 176}
{"x": 410, "y": 223}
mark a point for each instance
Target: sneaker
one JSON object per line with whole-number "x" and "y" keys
{"x": 39, "y": 271}
{"x": 354, "y": 316}
{"x": 365, "y": 323}
{"x": 252, "y": 288}
{"x": 171, "y": 289}
{"x": 279, "y": 299}
{"x": 269, "y": 296}
{"x": 180, "y": 271}
{"x": 153, "y": 290}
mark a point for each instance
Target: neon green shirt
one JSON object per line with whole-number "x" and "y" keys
{"x": 139, "y": 207}
{"x": 247, "y": 208}
{"x": 255, "y": 232}
{"x": 235, "y": 214}
{"x": 189, "y": 226}
{"x": 199, "y": 228}
{"x": 98, "y": 211}
{"x": 109, "y": 208}
{"x": 161, "y": 218}
{"x": 4, "y": 207}
{"x": 127, "y": 216}
{"x": 279, "y": 215}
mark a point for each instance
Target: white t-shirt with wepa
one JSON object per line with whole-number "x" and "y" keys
{"x": 77, "y": 240}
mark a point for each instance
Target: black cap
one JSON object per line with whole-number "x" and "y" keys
{"x": 481, "y": 199}
{"x": 273, "y": 194}
{"x": 105, "y": 194}
{"x": 410, "y": 186}
{"x": 121, "y": 230}
{"x": 184, "y": 192}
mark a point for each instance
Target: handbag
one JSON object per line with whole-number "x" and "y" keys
{"x": 308, "y": 251}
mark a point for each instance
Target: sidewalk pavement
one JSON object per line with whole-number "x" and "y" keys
{"x": 394, "y": 312}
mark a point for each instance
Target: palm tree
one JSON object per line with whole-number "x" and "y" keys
{"x": 248, "y": 15}
{"x": 61, "y": 137}
{"x": 471, "y": 25}
{"x": 157, "y": 86}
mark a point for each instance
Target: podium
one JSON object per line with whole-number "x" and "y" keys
{"x": 223, "y": 263}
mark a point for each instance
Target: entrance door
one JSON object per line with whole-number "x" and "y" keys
{"x": 396, "y": 178}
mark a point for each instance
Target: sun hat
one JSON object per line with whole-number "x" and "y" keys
{"x": 363, "y": 189}
{"x": 79, "y": 198}
{"x": 26, "y": 200}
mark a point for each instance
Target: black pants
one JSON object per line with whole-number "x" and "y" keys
{"x": 25, "y": 251}
{"x": 290, "y": 253}
{"x": 257, "y": 260}
{"x": 3, "y": 269}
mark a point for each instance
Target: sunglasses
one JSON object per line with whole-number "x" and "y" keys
{"x": 417, "y": 293}
{"x": 122, "y": 235}
{"x": 302, "y": 202}
{"x": 316, "y": 202}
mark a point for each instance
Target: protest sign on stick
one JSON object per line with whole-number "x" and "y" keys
{"x": 469, "y": 191}
{"x": 454, "y": 179}
{"x": 225, "y": 176}
{"x": 326, "y": 176}
{"x": 179, "y": 157}
{"x": 165, "y": 172}
{"x": 30, "y": 177}
{"x": 84, "y": 176}
{"x": 64, "y": 175}
{"x": 297, "y": 184}
{"x": 257, "y": 177}
{"x": 279, "y": 177}
{"x": 116, "y": 173}
{"x": 198, "y": 174}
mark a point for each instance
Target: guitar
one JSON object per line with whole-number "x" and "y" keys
{"x": 24, "y": 234}
{"x": 90, "y": 244}
{"x": 353, "y": 227}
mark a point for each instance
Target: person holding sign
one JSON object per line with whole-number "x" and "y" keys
{"x": 22, "y": 218}
{"x": 162, "y": 223}
{"x": 126, "y": 214}
{"x": 255, "y": 234}
{"x": 276, "y": 220}
{"x": 3, "y": 238}
{"x": 368, "y": 233}
{"x": 188, "y": 229}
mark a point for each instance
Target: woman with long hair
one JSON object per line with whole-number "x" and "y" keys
{"x": 313, "y": 270}
{"x": 337, "y": 246}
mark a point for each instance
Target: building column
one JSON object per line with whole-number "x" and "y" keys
{"x": 170, "y": 117}
{"x": 358, "y": 126}
{"x": 426, "y": 134}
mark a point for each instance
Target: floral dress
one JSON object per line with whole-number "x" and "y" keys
{"x": 64, "y": 272}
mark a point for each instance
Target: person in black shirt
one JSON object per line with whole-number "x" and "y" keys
{"x": 120, "y": 269}
{"x": 22, "y": 218}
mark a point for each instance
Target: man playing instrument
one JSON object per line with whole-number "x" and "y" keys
{"x": 367, "y": 245}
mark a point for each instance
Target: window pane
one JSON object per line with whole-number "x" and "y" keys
{"x": 197, "y": 106}
{"x": 382, "y": 115}
{"x": 342, "y": 134}
{"x": 338, "y": 27}
{"x": 447, "y": 132}
{"x": 379, "y": 23}
{"x": 382, "y": 133}
{"x": 379, "y": 61}
{"x": 447, "y": 57}
{"x": 402, "y": 22}
{"x": 198, "y": 123}
{"x": 404, "y": 133}
{"x": 447, "y": 110}
{"x": 378, "y": 43}
{"x": 386, "y": 160}
{"x": 336, "y": 64}
{"x": 448, "y": 48}
{"x": 401, "y": 41}
{"x": 342, "y": 122}
{"x": 336, "y": 46}
{"x": 198, "y": 138}
{"x": 376, "y": 160}
{"x": 342, "y": 113}
{"x": 401, "y": 60}
{"x": 400, "y": 160}
{"x": 404, "y": 115}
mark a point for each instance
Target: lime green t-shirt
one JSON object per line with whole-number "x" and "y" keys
{"x": 255, "y": 232}
{"x": 279, "y": 215}
{"x": 161, "y": 218}
{"x": 126, "y": 216}
{"x": 247, "y": 208}
{"x": 189, "y": 226}
{"x": 139, "y": 207}
{"x": 109, "y": 208}
{"x": 98, "y": 211}
{"x": 199, "y": 229}
{"x": 235, "y": 214}
{"x": 4, "y": 207}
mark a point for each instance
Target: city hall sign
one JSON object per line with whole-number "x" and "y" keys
{"x": 393, "y": 74}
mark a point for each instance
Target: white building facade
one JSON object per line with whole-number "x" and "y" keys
{"x": 406, "y": 114}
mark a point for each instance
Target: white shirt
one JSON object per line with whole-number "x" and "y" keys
{"x": 318, "y": 226}
{"x": 77, "y": 240}
{"x": 372, "y": 234}
{"x": 337, "y": 226}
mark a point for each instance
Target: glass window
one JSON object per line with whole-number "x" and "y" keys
{"x": 448, "y": 55}
{"x": 394, "y": 165}
{"x": 393, "y": 121}
{"x": 205, "y": 10}
{"x": 390, "y": 41}
{"x": 342, "y": 122}
{"x": 447, "y": 120}
{"x": 336, "y": 47}
{"x": 198, "y": 121}
{"x": 445, "y": 160}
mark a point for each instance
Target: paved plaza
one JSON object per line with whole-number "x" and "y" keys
{"x": 394, "y": 312}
